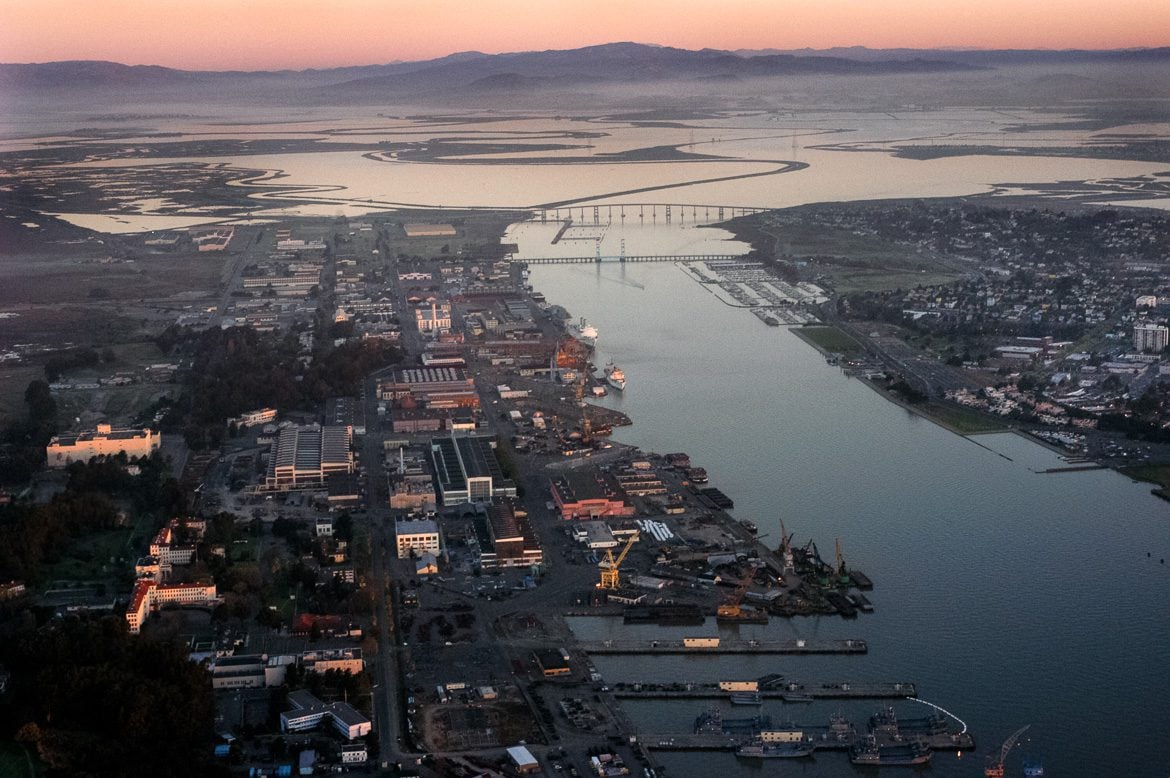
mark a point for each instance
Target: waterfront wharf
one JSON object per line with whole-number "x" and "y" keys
{"x": 818, "y": 691}
{"x": 723, "y": 646}
{"x": 821, "y": 737}
{"x": 624, "y": 258}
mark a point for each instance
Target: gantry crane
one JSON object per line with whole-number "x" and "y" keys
{"x": 994, "y": 767}
{"x": 609, "y": 566}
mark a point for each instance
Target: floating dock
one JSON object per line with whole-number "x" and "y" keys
{"x": 723, "y": 646}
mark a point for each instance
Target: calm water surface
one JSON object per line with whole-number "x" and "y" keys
{"x": 1009, "y": 596}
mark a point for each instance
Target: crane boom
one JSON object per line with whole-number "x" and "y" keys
{"x": 995, "y": 767}
{"x": 609, "y": 566}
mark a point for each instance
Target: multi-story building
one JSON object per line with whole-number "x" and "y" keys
{"x": 467, "y": 470}
{"x": 1150, "y": 338}
{"x": 421, "y": 535}
{"x": 252, "y": 671}
{"x": 103, "y": 441}
{"x": 308, "y": 712}
{"x": 433, "y": 318}
{"x": 347, "y": 660}
{"x": 150, "y": 595}
{"x": 305, "y": 456}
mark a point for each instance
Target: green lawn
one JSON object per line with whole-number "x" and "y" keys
{"x": 965, "y": 421}
{"x": 829, "y": 339}
{"x": 1154, "y": 474}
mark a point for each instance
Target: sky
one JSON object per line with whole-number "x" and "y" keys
{"x": 277, "y": 34}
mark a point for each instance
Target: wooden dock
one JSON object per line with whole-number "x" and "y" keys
{"x": 725, "y": 646}
{"x": 845, "y": 690}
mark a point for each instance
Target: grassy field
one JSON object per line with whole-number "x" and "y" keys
{"x": 829, "y": 339}
{"x": 846, "y": 281}
{"x": 965, "y": 421}
{"x": 1154, "y": 474}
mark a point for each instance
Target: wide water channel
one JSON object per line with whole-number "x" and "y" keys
{"x": 1009, "y": 596}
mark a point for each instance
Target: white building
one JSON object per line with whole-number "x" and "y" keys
{"x": 104, "y": 441}
{"x": 1146, "y": 301}
{"x": 421, "y": 535}
{"x": 354, "y": 753}
{"x": 308, "y": 712}
{"x": 1150, "y": 338}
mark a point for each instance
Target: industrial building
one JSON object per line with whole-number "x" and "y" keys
{"x": 103, "y": 441}
{"x": 426, "y": 230}
{"x": 305, "y": 456}
{"x": 467, "y": 471}
{"x": 589, "y": 495}
{"x": 421, "y": 535}
{"x": 434, "y": 387}
{"x": 505, "y": 537}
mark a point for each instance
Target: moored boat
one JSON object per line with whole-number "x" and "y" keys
{"x": 615, "y": 377}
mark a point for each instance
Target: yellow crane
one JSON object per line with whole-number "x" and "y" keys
{"x": 732, "y": 607}
{"x": 609, "y": 566}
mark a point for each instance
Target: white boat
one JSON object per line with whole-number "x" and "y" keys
{"x": 584, "y": 332}
{"x": 615, "y": 377}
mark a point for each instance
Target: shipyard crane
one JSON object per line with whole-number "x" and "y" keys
{"x": 609, "y": 566}
{"x": 586, "y": 424}
{"x": 995, "y": 762}
{"x": 842, "y": 573}
{"x": 732, "y": 607}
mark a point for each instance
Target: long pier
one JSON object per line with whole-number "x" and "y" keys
{"x": 643, "y": 213}
{"x": 845, "y": 690}
{"x": 724, "y": 646}
{"x": 626, "y": 258}
{"x": 822, "y": 738}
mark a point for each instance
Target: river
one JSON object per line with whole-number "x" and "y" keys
{"x": 1009, "y": 596}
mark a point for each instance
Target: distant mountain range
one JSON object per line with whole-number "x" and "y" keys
{"x": 469, "y": 73}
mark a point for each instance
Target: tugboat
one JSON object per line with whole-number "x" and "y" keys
{"x": 615, "y": 377}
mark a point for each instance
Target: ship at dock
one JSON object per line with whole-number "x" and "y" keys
{"x": 869, "y": 752}
{"x": 615, "y": 377}
{"x": 761, "y": 750}
{"x": 584, "y": 332}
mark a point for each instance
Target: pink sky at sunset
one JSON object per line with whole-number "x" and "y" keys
{"x": 268, "y": 34}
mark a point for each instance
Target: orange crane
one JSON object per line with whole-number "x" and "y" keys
{"x": 609, "y": 566}
{"x": 995, "y": 762}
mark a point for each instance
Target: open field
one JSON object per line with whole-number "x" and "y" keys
{"x": 965, "y": 421}
{"x": 1158, "y": 475}
{"x": 846, "y": 281}
{"x": 829, "y": 339}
